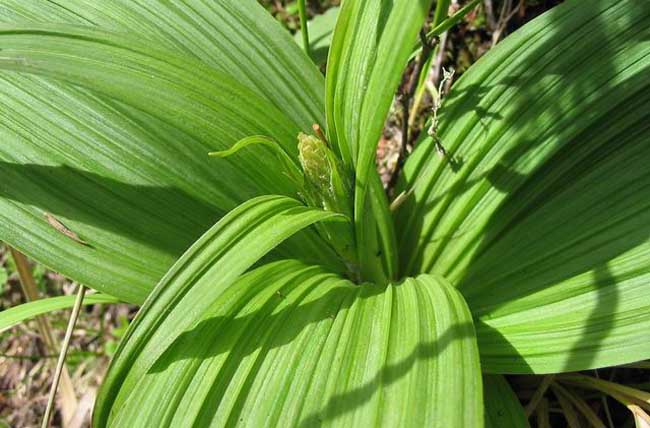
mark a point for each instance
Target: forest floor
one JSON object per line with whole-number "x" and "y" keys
{"x": 27, "y": 364}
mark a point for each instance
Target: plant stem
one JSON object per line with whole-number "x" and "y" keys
{"x": 436, "y": 74}
{"x": 489, "y": 14}
{"x": 30, "y": 290}
{"x": 579, "y": 404}
{"x": 567, "y": 408}
{"x": 64, "y": 350}
{"x": 419, "y": 92}
{"x": 603, "y": 398}
{"x": 539, "y": 394}
{"x": 543, "y": 414}
{"x": 445, "y": 25}
{"x": 607, "y": 387}
{"x": 441, "y": 12}
{"x": 304, "y": 31}
{"x": 408, "y": 90}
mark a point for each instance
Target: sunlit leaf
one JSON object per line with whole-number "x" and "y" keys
{"x": 121, "y": 157}
{"x": 540, "y": 213}
{"x": 292, "y": 345}
{"x": 370, "y": 48}
{"x": 203, "y": 273}
{"x": 17, "y": 314}
{"x": 216, "y": 32}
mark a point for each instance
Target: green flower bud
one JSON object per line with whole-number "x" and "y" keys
{"x": 328, "y": 185}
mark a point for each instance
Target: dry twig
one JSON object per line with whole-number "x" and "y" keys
{"x": 64, "y": 350}
{"x": 68, "y": 401}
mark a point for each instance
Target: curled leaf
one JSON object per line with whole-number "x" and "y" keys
{"x": 290, "y": 168}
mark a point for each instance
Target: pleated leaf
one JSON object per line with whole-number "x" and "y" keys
{"x": 239, "y": 240}
{"x": 120, "y": 158}
{"x": 216, "y": 32}
{"x": 370, "y": 48}
{"x": 541, "y": 211}
{"x": 291, "y": 345}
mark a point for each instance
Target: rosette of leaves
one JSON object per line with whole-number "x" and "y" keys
{"x": 529, "y": 254}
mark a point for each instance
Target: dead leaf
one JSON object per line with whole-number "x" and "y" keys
{"x": 62, "y": 228}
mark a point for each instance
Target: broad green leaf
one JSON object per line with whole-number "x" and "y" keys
{"x": 17, "y": 314}
{"x": 502, "y": 407}
{"x": 211, "y": 265}
{"x": 124, "y": 160}
{"x": 370, "y": 49}
{"x": 291, "y": 345}
{"x": 238, "y": 38}
{"x": 321, "y": 28}
{"x": 541, "y": 212}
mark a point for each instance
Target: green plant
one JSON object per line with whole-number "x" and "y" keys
{"x": 4, "y": 275}
{"x": 527, "y": 241}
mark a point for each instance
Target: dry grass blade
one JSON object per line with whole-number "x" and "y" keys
{"x": 507, "y": 12}
{"x": 64, "y": 350}
{"x": 607, "y": 387}
{"x": 543, "y": 417}
{"x": 538, "y": 395}
{"x": 579, "y": 403}
{"x": 567, "y": 408}
{"x": 68, "y": 402}
{"x": 641, "y": 418}
{"x": 603, "y": 399}
{"x": 83, "y": 410}
{"x": 30, "y": 291}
